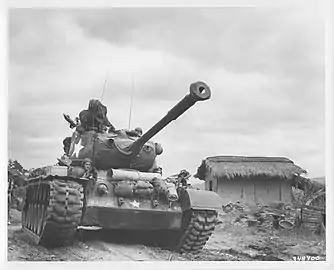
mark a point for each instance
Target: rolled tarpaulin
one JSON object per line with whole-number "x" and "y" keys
{"x": 133, "y": 175}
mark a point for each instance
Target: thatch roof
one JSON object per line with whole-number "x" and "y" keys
{"x": 230, "y": 167}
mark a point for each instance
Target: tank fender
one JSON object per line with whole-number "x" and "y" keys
{"x": 199, "y": 199}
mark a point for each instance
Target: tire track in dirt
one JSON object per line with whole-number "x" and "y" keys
{"x": 226, "y": 244}
{"x": 21, "y": 247}
{"x": 125, "y": 244}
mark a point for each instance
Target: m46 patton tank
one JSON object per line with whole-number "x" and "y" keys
{"x": 113, "y": 182}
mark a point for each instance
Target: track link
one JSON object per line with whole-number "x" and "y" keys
{"x": 52, "y": 211}
{"x": 198, "y": 229}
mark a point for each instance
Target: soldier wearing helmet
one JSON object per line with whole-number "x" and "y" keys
{"x": 90, "y": 172}
{"x": 139, "y": 131}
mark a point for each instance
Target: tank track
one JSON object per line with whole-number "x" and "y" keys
{"x": 200, "y": 225}
{"x": 52, "y": 211}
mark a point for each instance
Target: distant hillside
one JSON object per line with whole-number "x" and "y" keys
{"x": 319, "y": 179}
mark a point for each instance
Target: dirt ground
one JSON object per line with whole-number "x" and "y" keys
{"x": 231, "y": 241}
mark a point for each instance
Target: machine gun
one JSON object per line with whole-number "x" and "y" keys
{"x": 70, "y": 121}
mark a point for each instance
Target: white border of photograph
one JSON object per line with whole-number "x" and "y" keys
{"x": 328, "y": 7}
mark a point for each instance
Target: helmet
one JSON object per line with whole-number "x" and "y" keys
{"x": 85, "y": 161}
{"x": 139, "y": 130}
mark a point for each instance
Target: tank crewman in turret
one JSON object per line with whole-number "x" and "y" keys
{"x": 137, "y": 132}
{"x": 95, "y": 117}
{"x": 104, "y": 129}
{"x": 111, "y": 129}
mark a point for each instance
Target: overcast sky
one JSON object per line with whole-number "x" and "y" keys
{"x": 265, "y": 67}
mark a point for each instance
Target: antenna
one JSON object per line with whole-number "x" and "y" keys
{"x": 131, "y": 100}
{"x": 104, "y": 86}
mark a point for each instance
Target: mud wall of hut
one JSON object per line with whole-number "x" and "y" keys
{"x": 251, "y": 191}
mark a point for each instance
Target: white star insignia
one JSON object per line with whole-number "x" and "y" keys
{"x": 135, "y": 204}
{"x": 77, "y": 148}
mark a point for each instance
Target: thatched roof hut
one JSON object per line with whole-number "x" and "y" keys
{"x": 240, "y": 166}
{"x": 252, "y": 180}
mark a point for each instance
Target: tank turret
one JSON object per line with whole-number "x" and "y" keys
{"x": 123, "y": 149}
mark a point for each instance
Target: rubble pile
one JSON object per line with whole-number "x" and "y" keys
{"x": 262, "y": 233}
{"x": 274, "y": 216}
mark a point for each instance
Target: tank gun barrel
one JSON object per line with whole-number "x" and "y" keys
{"x": 199, "y": 91}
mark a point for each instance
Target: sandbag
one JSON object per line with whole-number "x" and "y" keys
{"x": 124, "y": 189}
{"x": 143, "y": 185}
{"x": 144, "y": 193}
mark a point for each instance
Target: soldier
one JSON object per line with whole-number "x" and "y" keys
{"x": 111, "y": 129}
{"x": 104, "y": 129}
{"x": 90, "y": 172}
{"x": 95, "y": 117}
{"x": 139, "y": 131}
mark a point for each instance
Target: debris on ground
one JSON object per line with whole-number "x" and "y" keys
{"x": 241, "y": 234}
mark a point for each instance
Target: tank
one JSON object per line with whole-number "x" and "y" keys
{"x": 111, "y": 180}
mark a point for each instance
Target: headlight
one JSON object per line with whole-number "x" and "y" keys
{"x": 102, "y": 189}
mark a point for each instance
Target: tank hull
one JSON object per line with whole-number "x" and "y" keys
{"x": 121, "y": 208}
{"x": 56, "y": 206}
{"x": 131, "y": 219}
